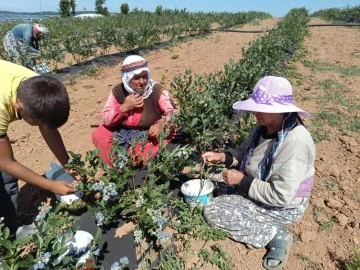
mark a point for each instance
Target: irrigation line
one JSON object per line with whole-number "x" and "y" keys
{"x": 263, "y": 31}
{"x": 334, "y": 24}
{"x": 239, "y": 31}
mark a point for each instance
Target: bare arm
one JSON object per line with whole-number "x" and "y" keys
{"x": 53, "y": 139}
{"x": 11, "y": 166}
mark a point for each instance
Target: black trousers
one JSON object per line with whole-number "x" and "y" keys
{"x": 9, "y": 191}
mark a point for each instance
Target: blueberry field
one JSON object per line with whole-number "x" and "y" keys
{"x": 206, "y": 70}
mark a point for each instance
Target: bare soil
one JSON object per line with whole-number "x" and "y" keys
{"x": 335, "y": 199}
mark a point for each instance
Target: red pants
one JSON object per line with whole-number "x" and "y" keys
{"x": 102, "y": 138}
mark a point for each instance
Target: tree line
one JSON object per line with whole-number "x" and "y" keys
{"x": 67, "y": 8}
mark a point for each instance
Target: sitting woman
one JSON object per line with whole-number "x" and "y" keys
{"x": 269, "y": 187}
{"x": 134, "y": 113}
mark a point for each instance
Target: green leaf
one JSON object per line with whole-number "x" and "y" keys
{"x": 38, "y": 239}
{"x": 72, "y": 154}
{"x": 81, "y": 185}
{"x": 129, "y": 210}
{"x": 194, "y": 122}
{"x": 6, "y": 243}
{"x": 112, "y": 171}
{"x": 28, "y": 263}
{"x": 97, "y": 234}
{"x": 166, "y": 185}
{"x": 66, "y": 260}
{"x": 61, "y": 250}
{"x": 43, "y": 227}
{"x": 6, "y": 233}
{"x": 57, "y": 208}
{"x": 81, "y": 171}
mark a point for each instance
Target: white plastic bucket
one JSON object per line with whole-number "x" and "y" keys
{"x": 58, "y": 173}
{"x": 81, "y": 240}
{"x": 198, "y": 190}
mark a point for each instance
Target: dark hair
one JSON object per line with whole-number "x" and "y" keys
{"x": 45, "y": 100}
{"x": 297, "y": 115}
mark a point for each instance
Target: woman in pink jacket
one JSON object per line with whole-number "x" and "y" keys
{"x": 134, "y": 113}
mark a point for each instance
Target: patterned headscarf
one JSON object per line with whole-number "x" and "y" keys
{"x": 265, "y": 167}
{"x": 134, "y": 65}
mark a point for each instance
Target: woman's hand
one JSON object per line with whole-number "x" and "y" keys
{"x": 213, "y": 157}
{"x": 154, "y": 130}
{"x": 131, "y": 102}
{"x": 232, "y": 177}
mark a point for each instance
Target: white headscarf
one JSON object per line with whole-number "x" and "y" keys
{"x": 42, "y": 29}
{"x": 134, "y": 65}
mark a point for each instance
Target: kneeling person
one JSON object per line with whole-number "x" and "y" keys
{"x": 134, "y": 112}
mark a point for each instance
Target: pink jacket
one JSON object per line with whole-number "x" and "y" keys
{"x": 112, "y": 115}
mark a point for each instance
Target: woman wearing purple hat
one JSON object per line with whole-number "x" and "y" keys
{"x": 270, "y": 175}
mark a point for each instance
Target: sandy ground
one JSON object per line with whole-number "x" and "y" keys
{"x": 336, "y": 195}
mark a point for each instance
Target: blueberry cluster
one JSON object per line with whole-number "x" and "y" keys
{"x": 108, "y": 191}
{"x": 120, "y": 264}
{"x": 42, "y": 263}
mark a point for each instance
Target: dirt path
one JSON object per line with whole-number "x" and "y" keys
{"x": 336, "y": 197}
{"x": 330, "y": 229}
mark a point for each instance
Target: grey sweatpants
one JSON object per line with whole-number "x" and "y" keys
{"x": 9, "y": 191}
{"x": 248, "y": 221}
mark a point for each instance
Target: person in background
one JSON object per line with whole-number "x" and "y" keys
{"x": 134, "y": 113}
{"x": 21, "y": 43}
{"x": 40, "y": 101}
{"x": 270, "y": 175}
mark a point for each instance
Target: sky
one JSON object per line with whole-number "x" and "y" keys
{"x": 277, "y": 8}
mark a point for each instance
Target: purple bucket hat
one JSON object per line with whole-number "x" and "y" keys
{"x": 271, "y": 95}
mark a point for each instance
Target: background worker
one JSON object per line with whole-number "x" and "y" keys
{"x": 21, "y": 43}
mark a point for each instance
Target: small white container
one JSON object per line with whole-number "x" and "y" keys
{"x": 81, "y": 240}
{"x": 198, "y": 190}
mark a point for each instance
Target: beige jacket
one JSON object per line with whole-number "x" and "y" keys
{"x": 293, "y": 164}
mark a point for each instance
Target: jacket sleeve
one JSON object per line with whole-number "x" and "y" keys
{"x": 112, "y": 115}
